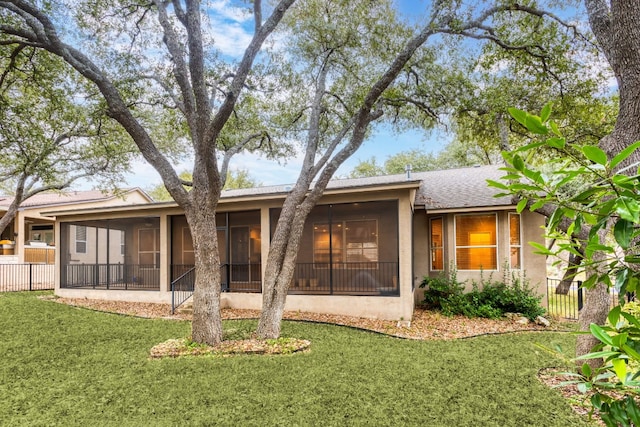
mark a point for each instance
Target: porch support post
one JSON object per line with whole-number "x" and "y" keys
{"x": 165, "y": 254}
{"x": 20, "y": 233}
{"x": 405, "y": 279}
{"x": 265, "y": 240}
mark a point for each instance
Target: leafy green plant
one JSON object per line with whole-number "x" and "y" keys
{"x": 597, "y": 203}
{"x": 488, "y": 298}
{"x": 614, "y": 387}
{"x": 441, "y": 288}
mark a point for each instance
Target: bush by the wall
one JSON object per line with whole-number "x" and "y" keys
{"x": 489, "y": 298}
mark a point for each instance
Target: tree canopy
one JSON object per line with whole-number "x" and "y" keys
{"x": 52, "y": 134}
{"x": 236, "y": 179}
{"x": 334, "y": 68}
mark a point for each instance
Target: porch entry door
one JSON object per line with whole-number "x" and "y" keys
{"x": 223, "y": 250}
{"x": 239, "y": 252}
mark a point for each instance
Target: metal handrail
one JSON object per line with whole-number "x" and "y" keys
{"x": 184, "y": 294}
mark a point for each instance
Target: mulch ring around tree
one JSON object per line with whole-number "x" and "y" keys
{"x": 183, "y": 347}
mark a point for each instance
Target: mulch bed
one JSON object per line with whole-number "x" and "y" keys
{"x": 425, "y": 325}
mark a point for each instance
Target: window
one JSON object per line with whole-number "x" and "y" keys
{"x": 436, "y": 244}
{"x": 148, "y": 247}
{"x": 515, "y": 242}
{"x": 188, "y": 253}
{"x": 476, "y": 247}
{"x": 122, "y": 242}
{"x": 348, "y": 241}
{"x": 81, "y": 239}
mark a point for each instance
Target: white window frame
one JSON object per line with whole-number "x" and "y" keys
{"x": 455, "y": 240}
{"x": 519, "y": 238}
{"x": 433, "y": 248}
{"x": 79, "y": 240}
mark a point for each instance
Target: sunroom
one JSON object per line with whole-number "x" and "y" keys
{"x": 355, "y": 256}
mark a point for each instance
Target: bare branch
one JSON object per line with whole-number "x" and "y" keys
{"x": 229, "y": 153}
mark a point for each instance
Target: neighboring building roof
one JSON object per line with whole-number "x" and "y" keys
{"x": 65, "y": 198}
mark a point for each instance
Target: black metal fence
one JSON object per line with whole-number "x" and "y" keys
{"x": 568, "y": 305}
{"x": 349, "y": 278}
{"x": 110, "y": 276}
{"x": 26, "y": 277}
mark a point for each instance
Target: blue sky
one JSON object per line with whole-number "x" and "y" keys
{"x": 232, "y": 33}
{"x": 231, "y": 28}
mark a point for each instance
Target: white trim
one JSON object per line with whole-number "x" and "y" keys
{"x": 496, "y": 246}
{"x": 519, "y": 246}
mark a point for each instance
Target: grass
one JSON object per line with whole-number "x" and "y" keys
{"x": 68, "y": 366}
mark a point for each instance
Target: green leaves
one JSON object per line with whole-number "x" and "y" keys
{"x": 533, "y": 123}
{"x": 623, "y": 231}
{"x": 624, "y": 154}
{"x": 628, "y": 208}
{"x": 595, "y": 154}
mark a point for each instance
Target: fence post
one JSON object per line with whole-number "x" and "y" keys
{"x": 580, "y": 298}
{"x": 30, "y": 276}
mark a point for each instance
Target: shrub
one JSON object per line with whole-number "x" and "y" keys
{"x": 489, "y": 298}
{"x": 440, "y": 289}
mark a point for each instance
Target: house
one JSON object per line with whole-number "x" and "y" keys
{"x": 30, "y": 236}
{"x": 366, "y": 245}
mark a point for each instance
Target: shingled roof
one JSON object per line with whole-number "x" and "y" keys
{"x": 443, "y": 189}
{"x": 460, "y": 188}
{"x": 61, "y": 198}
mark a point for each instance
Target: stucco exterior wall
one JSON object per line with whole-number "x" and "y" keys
{"x": 533, "y": 265}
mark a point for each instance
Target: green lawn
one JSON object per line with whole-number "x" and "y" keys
{"x": 69, "y": 366}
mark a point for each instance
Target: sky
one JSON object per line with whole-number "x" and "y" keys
{"x": 232, "y": 32}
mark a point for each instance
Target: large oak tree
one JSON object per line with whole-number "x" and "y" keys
{"x": 346, "y": 59}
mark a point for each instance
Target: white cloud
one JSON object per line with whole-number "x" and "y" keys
{"x": 225, "y": 10}
{"x": 230, "y": 26}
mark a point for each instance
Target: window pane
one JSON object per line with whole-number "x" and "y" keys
{"x": 476, "y": 242}
{"x": 436, "y": 232}
{"x": 362, "y": 241}
{"x": 437, "y": 262}
{"x": 321, "y": 243}
{"x": 476, "y": 258}
{"x": 514, "y": 229}
{"x": 476, "y": 230}
{"x": 515, "y": 258}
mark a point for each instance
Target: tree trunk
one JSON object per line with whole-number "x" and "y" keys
{"x": 595, "y": 310}
{"x": 18, "y": 198}
{"x": 597, "y": 304}
{"x": 281, "y": 262}
{"x": 567, "y": 279}
{"x": 206, "y": 327}
{"x": 615, "y": 25}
